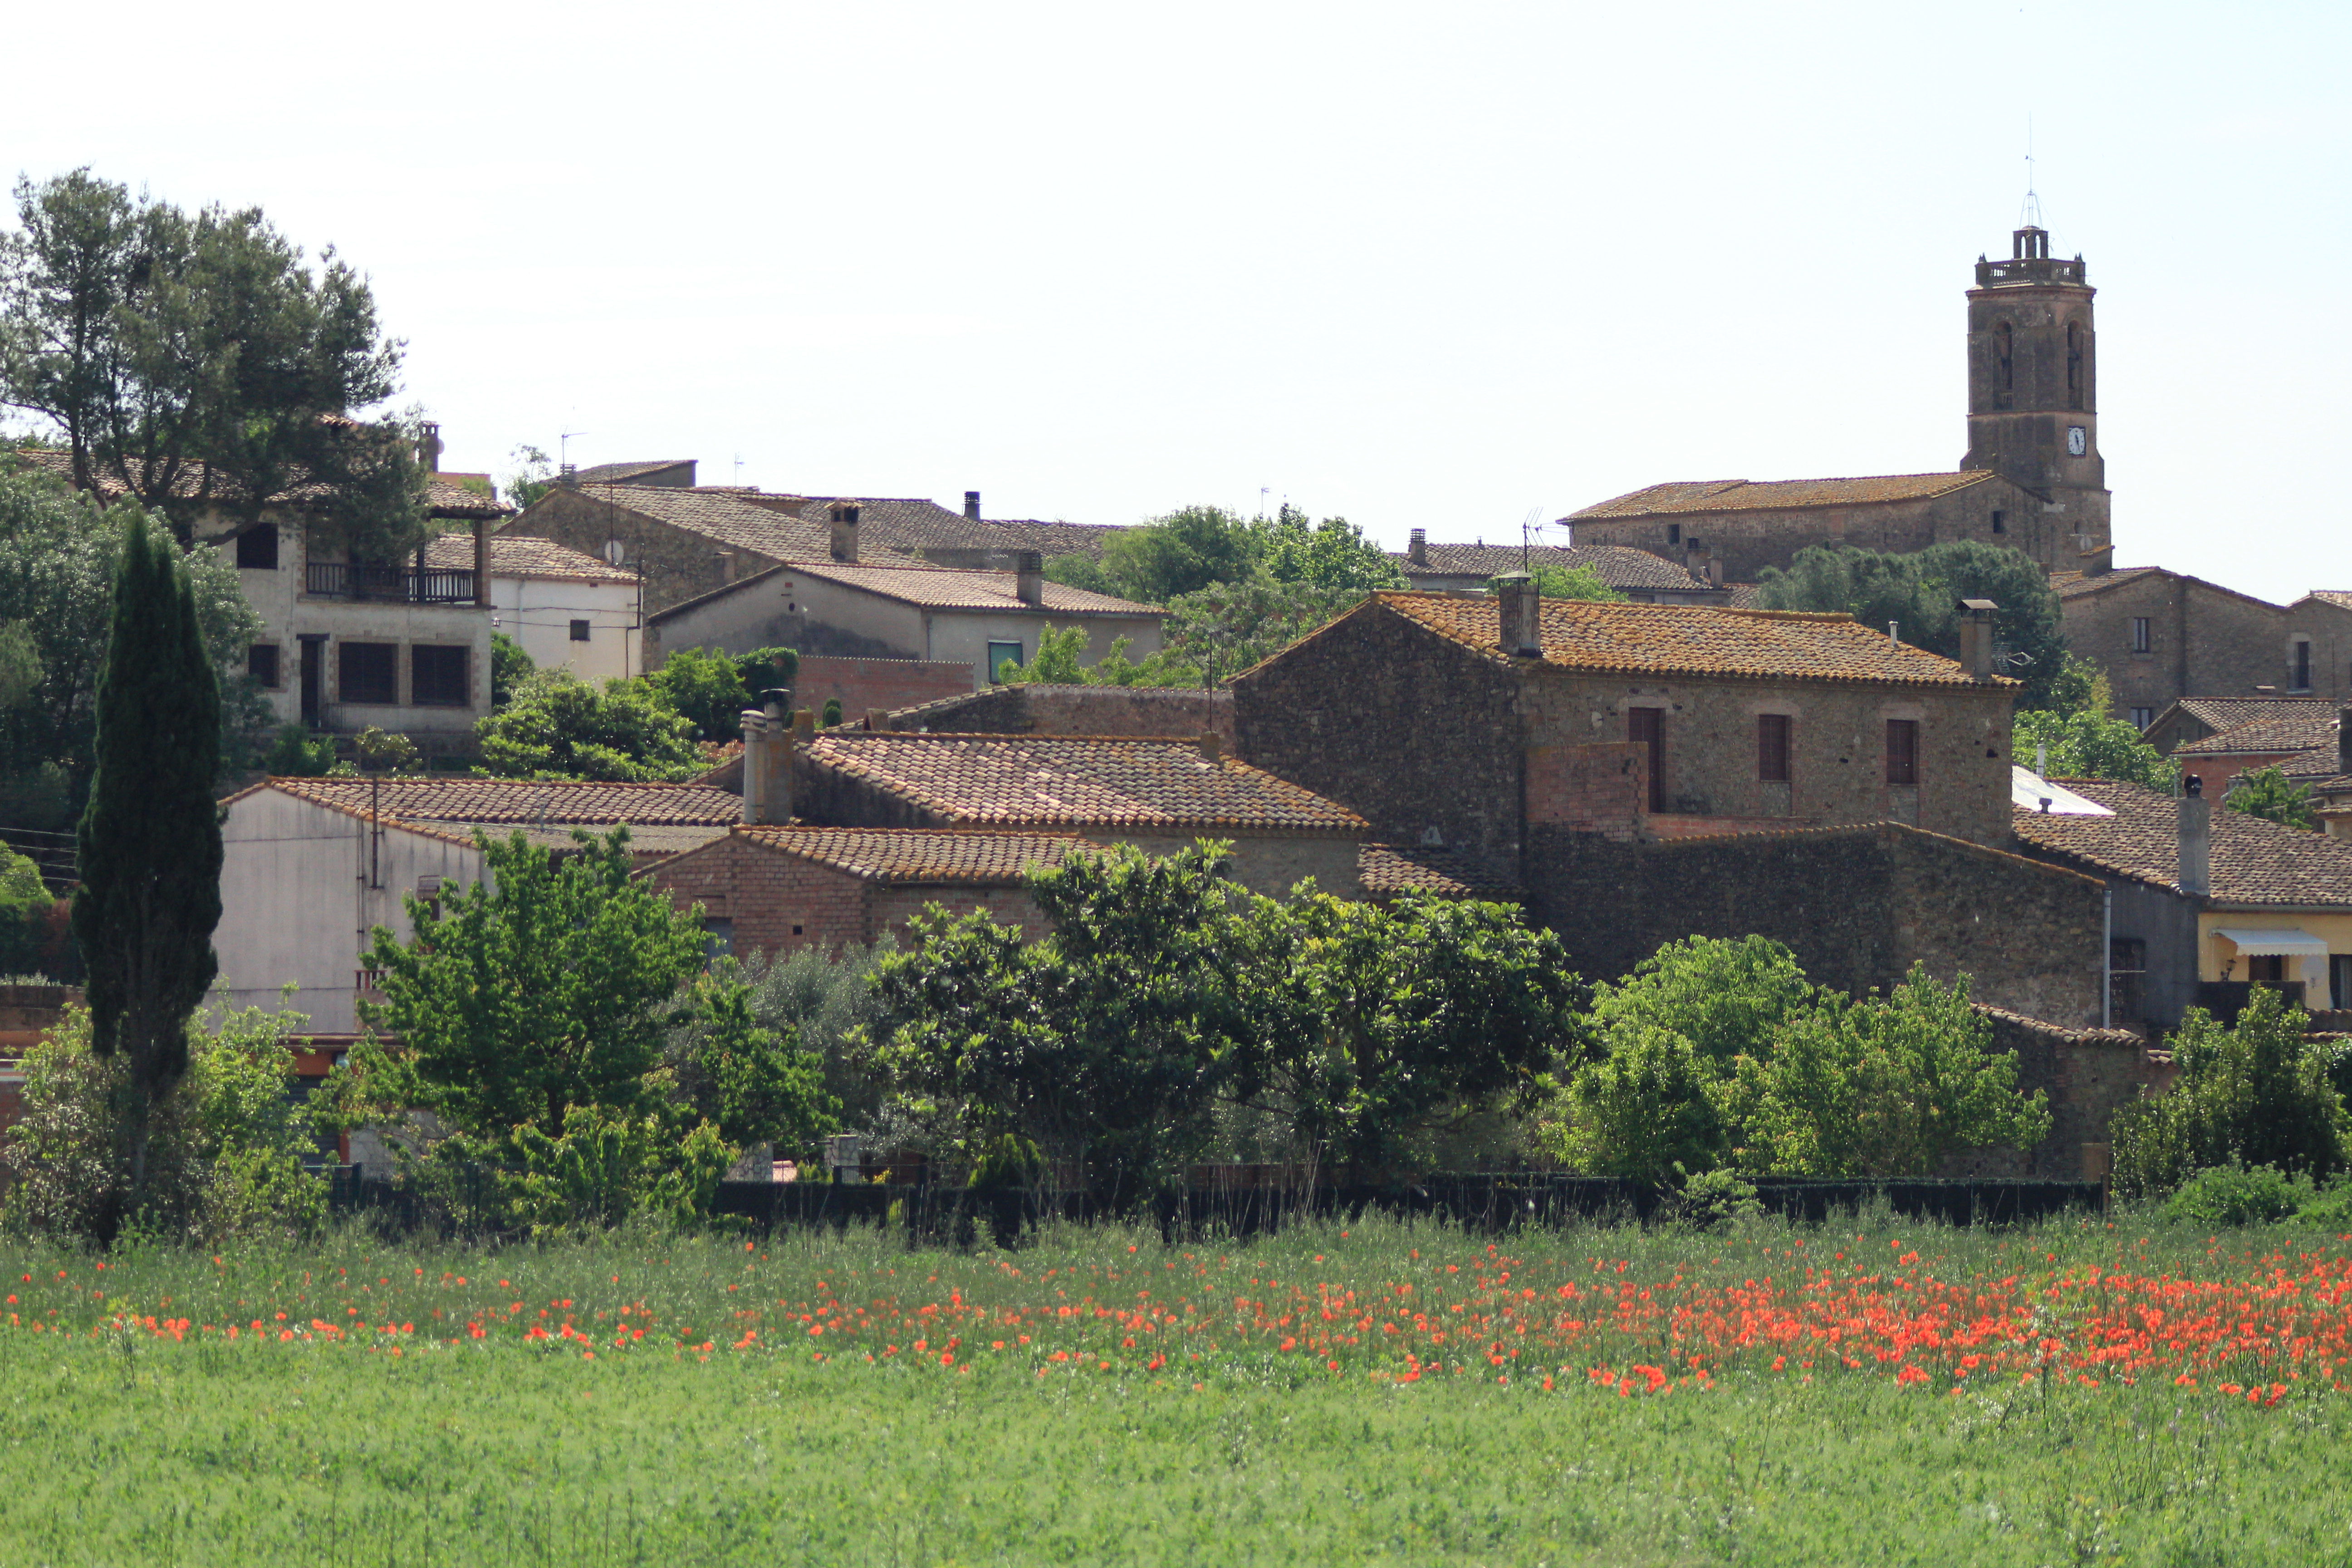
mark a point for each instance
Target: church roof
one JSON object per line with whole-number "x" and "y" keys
{"x": 1618, "y": 565}
{"x": 1779, "y": 495}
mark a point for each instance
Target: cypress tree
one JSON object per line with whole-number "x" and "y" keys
{"x": 151, "y": 838}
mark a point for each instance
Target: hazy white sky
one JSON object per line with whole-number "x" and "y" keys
{"x": 1433, "y": 265}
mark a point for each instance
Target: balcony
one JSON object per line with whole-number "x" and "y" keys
{"x": 402, "y": 585}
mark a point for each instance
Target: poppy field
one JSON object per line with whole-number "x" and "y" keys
{"x": 1377, "y": 1393}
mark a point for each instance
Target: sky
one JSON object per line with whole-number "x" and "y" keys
{"x": 1451, "y": 267}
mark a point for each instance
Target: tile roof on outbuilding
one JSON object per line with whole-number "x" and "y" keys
{"x": 1777, "y": 495}
{"x": 493, "y": 803}
{"x": 613, "y": 473}
{"x": 522, "y": 555}
{"x": 1684, "y": 639}
{"x": 2300, "y": 732}
{"x": 1151, "y": 785}
{"x": 2219, "y": 713}
{"x": 918, "y": 856}
{"x": 2253, "y": 861}
{"x": 1387, "y": 870}
{"x": 729, "y": 520}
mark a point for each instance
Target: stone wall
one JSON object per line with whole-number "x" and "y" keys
{"x": 677, "y": 564}
{"x": 1856, "y": 905}
{"x": 1175, "y": 711}
{"x": 2087, "y": 1074}
{"x": 2203, "y": 641}
{"x": 872, "y": 686}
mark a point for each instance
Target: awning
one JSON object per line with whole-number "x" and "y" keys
{"x": 2030, "y": 792}
{"x": 2262, "y": 943}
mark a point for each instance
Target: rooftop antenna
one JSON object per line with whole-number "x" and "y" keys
{"x": 2029, "y": 214}
{"x": 1263, "y": 491}
{"x": 1528, "y": 529}
{"x": 563, "y": 445}
{"x": 739, "y": 469}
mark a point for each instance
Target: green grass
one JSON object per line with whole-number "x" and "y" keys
{"x": 125, "y": 1443}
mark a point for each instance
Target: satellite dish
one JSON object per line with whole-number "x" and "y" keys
{"x": 616, "y": 551}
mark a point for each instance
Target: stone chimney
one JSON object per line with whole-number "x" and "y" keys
{"x": 844, "y": 530}
{"x": 1029, "y": 576}
{"x": 1976, "y": 637}
{"x": 1213, "y": 748}
{"x": 1521, "y": 610}
{"x": 971, "y": 505}
{"x": 725, "y": 565}
{"x": 2196, "y": 837}
{"x": 1714, "y": 570}
{"x": 768, "y": 760}
{"x": 428, "y": 448}
{"x": 1416, "y": 548}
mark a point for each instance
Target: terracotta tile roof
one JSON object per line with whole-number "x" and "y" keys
{"x": 1774, "y": 495}
{"x": 1619, "y": 565}
{"x": 2253, "y": 861}
{"x": 957, "y": 588}
{"x": 2300, "y": 732}
{"x": 2072, "y": 585}
{"x": 522, "y": 555}
{"x": 1689, "y": 639}
{"x": 2219, "y": 713}
{"x": 729, "y": 519}
{"x": 1745, "y": 595}
{"x": 610, "y": 473}
{"x": 1387, "y": 869}
{"x": 2339, "y": 597}
{"x": 913, "y": 524}
{"x": 1057, "y": 782}
{"x": 446, "y": 495}
{"x": 920, "y": 854}
{"x": 520, "y": 801}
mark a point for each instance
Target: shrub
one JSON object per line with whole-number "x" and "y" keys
{"x": 2257, "y": 1094}
{"x": 1708, "y": 1201}
{"x": 510, "y": 667}
{"x": 2237, "y": 1194}
{"x": 560, "y": 727}
{"x": 297, "y": 754}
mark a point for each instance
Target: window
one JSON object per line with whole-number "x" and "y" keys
{"x": 436, "y": 675}
{"x": 2339, "y": 980}
{"x": 261, "y": 663}
{"x": 2266, "y": 969}
{"x": 579, "y": 631}
{"x": 1647, "y": 727}
{"x": 2142, "y": 718}
{"x": 998, "y": 652}
{"x": 1903, "y": 750}
{"x": 717, "y": 939}
{"x": 257, "y": 548}
{"x": 2001, "y": 346}
{"x": 2074, "y": 364}
{"x": 2127, "y": 980}
{"x": 2000, "y": 522}
{"x": 367, "y": 672}
{"x": 1673, "y": 533}
{"x": 2142, "y": 641}
{"x": 1772, "y": 747}
{"x": 2303, "y": 667}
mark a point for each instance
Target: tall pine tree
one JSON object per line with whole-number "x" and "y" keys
{"x": 151, "y": 838}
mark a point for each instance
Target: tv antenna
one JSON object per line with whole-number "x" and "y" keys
{"x": 739, "y": 470}
{"x": 1528, "y": 529}
{"x": 563, "y": 445}
{"x": 2029, "y": 213}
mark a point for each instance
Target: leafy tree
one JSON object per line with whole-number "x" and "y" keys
{"x": 831, "y": 717}
{"x": 1556, "y": 581}
{"x": 560, "y": 727}
{"x": 1224, "y": 629}
{"x": 826, "y": 1000}
{"x": 532, "y": 477}
{"x": 755, "y": 1085}
{"x": 2088, "y": 745}
{"x": 1333, "y": 553}
{"x": 1921, "y": 592}
{"x": 1375, "y": 1026}
{"x": 149, "y": 846}
{"x": 2253, "y": 1094}
{"x": 1059, "y": 650}
{"x": 20, "y": 663}
{"x": 1726, "y": 996}
{"x": 297, "y": 754}
{"x": 2269, "y": 794}
{"x": 1080, "y": 572}
{"x": 24, "y": 906}
{"x": 543, "y": 988}
{"x": 511, "y": 665}
{"x": 706, "y": 688}
{"x": 1884, "y": 1088}
{"x": 767, "y": 669}
{"x": 1182, "y": 553}
{"x": 198, "y": 359}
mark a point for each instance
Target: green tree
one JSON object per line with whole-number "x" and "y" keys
{"x": 756, "y": 1085}
{"x": 826, "y": 1000}
{"x": 1080, "y": 572}
{"x": 1059, "y": 650}
{"x": 1224, "y": 629}
{"x": 1333, "y": 553}
{"x": 560, "y": 727}
{"x": 767, "y": 669}
{"x": 1920, "y": 592}
{"x": 532, "y": 477}
{"x": 1886, "y": 1087}
{"x": 545, "y": 987}
{"x": 149, "y": 846}
{"x": 2269, "y": 794}
{"x": 2089, "y": 745}
{"x": 1556, "y": 581}
{"x": 510, "y": 667}
{"x": 24, "y": 906}
{"x": 2253, "y": 1094}
{"x": 706, "y": 688}
{"x": 831, "y": 717}
{"x": 1182, "y": 553}
{"x": 20, "y": 663}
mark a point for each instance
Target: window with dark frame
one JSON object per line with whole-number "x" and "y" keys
{"x": 2127, "y": 980}
{"x": 367, "y": 672}
{"x": 261, "y": 663}
{"x": 2339, "y": 980}
{"x": 579, "y": 631}
{"x": 1673, "y": 533}
{"x": 436, "y": 675}
{"x": 717, "y": 939}
{"x": 2142, "y": 718}
{"x": 257, "y": 548}
{"x": 1903, "y": 750}
{"x": 2000, "y": 522}
{"x": 998, "y": 652}
{"x": 2303, "y": 667}
{"x": 1646, "y": 728}
{"x": 2141, "y": 638}
{"x": 1772, "y": 748}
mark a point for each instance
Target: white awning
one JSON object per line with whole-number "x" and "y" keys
{"x": 2030, "y": 792}
{"x": 2262, "y": 943}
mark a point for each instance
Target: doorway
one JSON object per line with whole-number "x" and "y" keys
{"x": 311, "y": 662}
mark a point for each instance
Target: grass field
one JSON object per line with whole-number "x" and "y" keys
{"x": 1870, "y": 1392}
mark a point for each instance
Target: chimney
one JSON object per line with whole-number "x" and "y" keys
{"x": 971, "y": 505}
{"x": 1976, "y": 637}
{"x": 768, "y": 760}
{"x": 2196, "y": 837}
{"x": 725, "y": 565}
{"x": 428, "y": 447}
{"x": 1714, "y": 570}
{"x": 1520, "y": 611}
{"x": 844, "y": 530}
{"x": 1213, "y": 748}
{"x": 1029, "y": 576}
{"x": 1416, "y": 549}
{"x": 2343, "y": 741}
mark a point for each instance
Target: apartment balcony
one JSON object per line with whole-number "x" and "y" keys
{"x": 396, "y": 584}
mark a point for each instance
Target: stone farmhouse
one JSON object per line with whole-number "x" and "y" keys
{"x": 2194, "y": 718}
{"x": 2164, "y": 637}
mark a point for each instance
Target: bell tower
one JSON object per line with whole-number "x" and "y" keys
{"x": 2033, "y": 409}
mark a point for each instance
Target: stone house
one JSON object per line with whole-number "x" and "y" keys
{"x": 2204, "y": 901}
{"x": 2302, "y": 746}
{"x": 1466, "y": 719}
{"x": 662, "y": 473}
{"x": 312, "y": 865}
{"x": 2194, "y": 718}
{"x": 567, "y": 610}
{"x": 1639, "y": 574}
{"x": 2162, "y": 636}
{"x": 898, "y": 608}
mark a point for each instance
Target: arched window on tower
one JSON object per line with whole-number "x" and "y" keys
{"x": 2074, "y": 364}
{"x": 2002, "y": 349}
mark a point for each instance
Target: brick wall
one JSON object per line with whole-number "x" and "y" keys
{"x": 2088, "y": 1074}
{"x": 1037, "y": 710}
{"x": 893, "y": 906}
{"x": 1856, "y": 905}
{"x": 1603, "y": 787}
{"x": 876, "y": 685}
{"x": 778, "y": 903}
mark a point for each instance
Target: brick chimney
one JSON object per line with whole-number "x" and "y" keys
{"x": 1416, "y": 548}
{"x": 971, "y": 505}
{"x": 1029, "y": 576}
{"x": 1976, "y": 637}
{"x": 428, "y": 447}
{"x": 2196, "y": 837}
{"x": 767, "y": 759}
{"x": 1521, "y": 615}
{"x": 844, "y": 530}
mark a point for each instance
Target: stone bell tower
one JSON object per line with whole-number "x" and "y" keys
{"x": 2034, "y": 408}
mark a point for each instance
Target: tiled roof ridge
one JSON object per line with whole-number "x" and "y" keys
{"x": 1882, "y": 826}
{"x": 1702, "y": 492}
{"x": 2064, "y": 1031}
{"x": 2117, "y": 576}
{"x": 1350, "y": 613}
